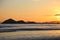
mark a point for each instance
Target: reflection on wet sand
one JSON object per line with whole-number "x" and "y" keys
{"x": 31, "y": 35}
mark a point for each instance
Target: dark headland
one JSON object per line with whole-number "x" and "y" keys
{"x": 12, "y": 21}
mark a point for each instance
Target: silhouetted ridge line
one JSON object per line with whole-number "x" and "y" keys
{"x": 21, "y": 22}
{"x": 11, "y": 21}
{"x": 31, "y": 22}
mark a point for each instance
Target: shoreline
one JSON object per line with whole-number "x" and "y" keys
{"x": 25, "y": 29}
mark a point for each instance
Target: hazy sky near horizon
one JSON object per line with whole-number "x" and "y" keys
{"x": 29, "y": 10}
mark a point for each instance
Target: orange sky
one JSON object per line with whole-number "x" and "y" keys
{"x": 29, "y": 10}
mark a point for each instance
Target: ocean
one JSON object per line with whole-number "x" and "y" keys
{"x": 30, "y": 34}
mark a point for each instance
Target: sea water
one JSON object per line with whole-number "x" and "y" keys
{"x": 30, "y": 35}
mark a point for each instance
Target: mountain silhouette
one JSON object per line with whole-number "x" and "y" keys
{"x": 21, "y": 22}
{"x": 9, "y": 21}
{"x": 31, "y": 22}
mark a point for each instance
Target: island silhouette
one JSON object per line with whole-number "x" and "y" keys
{"x": 12, "y": 21}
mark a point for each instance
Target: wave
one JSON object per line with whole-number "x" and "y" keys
{"x": 27, "y": 29}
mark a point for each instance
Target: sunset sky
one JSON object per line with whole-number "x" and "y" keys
{"x": 30, "y": 10}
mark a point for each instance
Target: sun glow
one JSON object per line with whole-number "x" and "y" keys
{"x": 57, "y": 14}
{"x": 58, "y": 18}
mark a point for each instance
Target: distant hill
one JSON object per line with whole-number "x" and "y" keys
{"x": 11, "y": 21}
{"x": 21, "y": 22}
{"x": 31, "y": 22}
